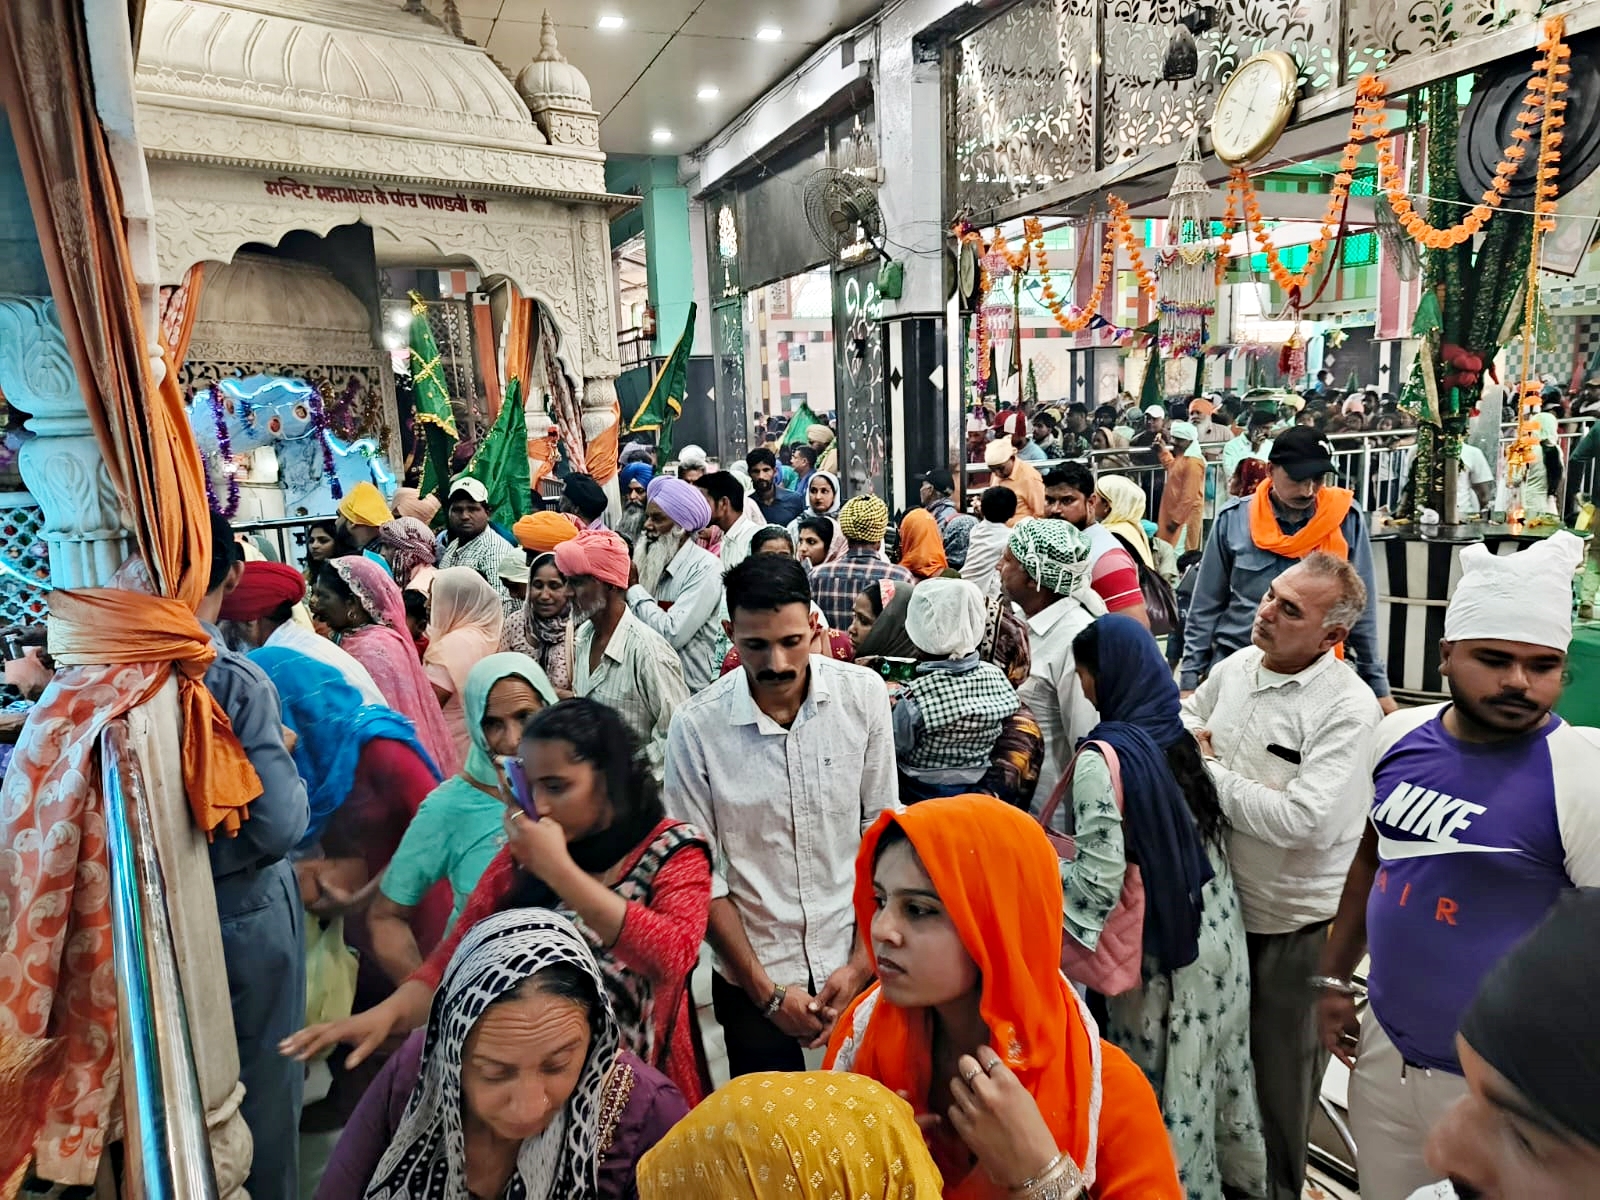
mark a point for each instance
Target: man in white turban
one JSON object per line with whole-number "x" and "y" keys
{"x": 1482, "y": 816}
{"x": 948, "y": 717}
{"x": 676, "y": 587}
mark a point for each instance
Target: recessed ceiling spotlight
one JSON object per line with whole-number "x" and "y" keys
{"x": 660, "y": 135}
{"x": 709, "y": 92}
{"x": 768, "y": 33}
{"x": 611, "y": 21}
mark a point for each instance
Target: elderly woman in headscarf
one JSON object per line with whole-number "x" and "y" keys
{"x": 408, "y": 546}
{"x": 1119, "y": 505}
{"x": 812, "y": 1136}
{"x": 949, "y": 715}
{"x": 691, "y": 463}
{"x": 517, "y": 1087}
{"x": 361, "y": 605}
{"x": 972, "y": 1021}
{"x": 465, "y": 618}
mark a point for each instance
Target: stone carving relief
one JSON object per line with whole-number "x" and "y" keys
{"x": 574, "y": 129}
{"x": 594, "y": 268}
{"x": 267, "y": 145}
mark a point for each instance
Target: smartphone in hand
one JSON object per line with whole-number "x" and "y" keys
{"x": 517, "y": 781}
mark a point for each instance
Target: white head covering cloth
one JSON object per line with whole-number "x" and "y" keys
{"x": 946, "y": 618}
{"x": 1524, "y": 597}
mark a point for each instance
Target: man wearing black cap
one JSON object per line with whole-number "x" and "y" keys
{"x": 1256, "y": 538}
{"x": 937, "y": 492}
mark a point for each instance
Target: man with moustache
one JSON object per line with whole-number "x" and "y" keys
{"x": 676, "y": 586}
{"x": 1482, "y": 815}
{"x": 783, "y": 762}
{"x": 635, "y": 478}
{"x": 1257, "y": 538}
{"x": 617, "y": 658}
{"x": 1113, "y": 574}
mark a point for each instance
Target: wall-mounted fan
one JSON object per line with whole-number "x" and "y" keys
{"x": 842, "y": 210}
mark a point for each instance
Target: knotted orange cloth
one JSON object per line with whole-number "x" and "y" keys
{"x": 94, "y": 626}
{"x": 1323, "y": 532}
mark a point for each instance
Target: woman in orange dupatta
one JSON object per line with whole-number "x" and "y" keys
{"x": 973, "y": 1022}
{"x": 922, "y": 545}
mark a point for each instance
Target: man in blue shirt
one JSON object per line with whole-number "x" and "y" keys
{"x": 258, "y": 898}
{"x": 1235, "y": 571}
{"x": 778, "y": 505}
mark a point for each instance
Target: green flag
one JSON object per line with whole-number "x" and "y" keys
{"x": 801, "y": 420}
{"x": 433, "y": 409}
{"x": 501, "y": 462}
{"x": 664, "y": 403}
{"x": 1154, "y": 389}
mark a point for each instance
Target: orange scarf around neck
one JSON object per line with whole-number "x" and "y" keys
{"x": 1322, "y": 532}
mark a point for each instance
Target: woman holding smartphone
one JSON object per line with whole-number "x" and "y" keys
{"x": 600, "y": 850}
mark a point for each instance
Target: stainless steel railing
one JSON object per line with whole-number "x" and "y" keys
{"x": 168, "y": 1148}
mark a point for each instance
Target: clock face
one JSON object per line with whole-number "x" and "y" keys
{"x": 967, "y": 272}
{"x": 1254, "y": 107}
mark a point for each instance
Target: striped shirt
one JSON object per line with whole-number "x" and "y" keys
{"x": 639, "y": 675}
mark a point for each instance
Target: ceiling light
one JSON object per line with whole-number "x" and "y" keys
{"x": 610, "y": 21}
{"x": 768, "y": 33}
{"x": 660, "y": 135}
{"x": 709, "y": 92}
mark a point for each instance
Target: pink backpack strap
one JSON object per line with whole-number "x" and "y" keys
{"x": 1064, "y": 784}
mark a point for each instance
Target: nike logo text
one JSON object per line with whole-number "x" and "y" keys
{"x": 1434, "y": 818}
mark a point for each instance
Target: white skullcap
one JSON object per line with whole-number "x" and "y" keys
{"x": 1185, "y": 431}
{"x": 999, "y": 452}
{"x": 946, "y": 618}
{"x": 691, "y": 456}
{"x": 1524, "y": 597}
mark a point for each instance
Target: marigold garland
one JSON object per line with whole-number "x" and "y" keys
{"x": 1123, "y": 225}
{"x": 1079, "y": 320}
{"x": 980, "y": 372}
{"x": 1542, "y": 110}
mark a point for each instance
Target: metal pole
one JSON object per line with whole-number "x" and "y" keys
{"x": 169, "y": 1149}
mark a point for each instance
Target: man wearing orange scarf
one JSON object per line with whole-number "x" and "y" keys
{"x": 1256, "y": 538}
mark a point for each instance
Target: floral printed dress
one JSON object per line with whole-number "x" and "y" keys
{"x": 1188, "y": 1031}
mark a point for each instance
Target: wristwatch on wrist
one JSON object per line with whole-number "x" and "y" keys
{"x": 1332, "y": 983}
{"x": 775, "y": 1002}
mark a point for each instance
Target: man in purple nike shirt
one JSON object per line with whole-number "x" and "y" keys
{"x": 1480, "y": 821}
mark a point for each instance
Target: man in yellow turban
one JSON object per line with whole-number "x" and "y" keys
{"x": 361, "y": 514}
{"x": 542, "y": 532}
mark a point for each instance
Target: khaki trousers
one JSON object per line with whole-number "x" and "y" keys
{"x": 1392, "y": 1108}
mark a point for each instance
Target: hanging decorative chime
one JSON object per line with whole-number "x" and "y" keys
{"x": 1187, "y": 263}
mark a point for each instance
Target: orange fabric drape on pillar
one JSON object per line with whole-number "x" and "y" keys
{"x": 519, "y": 341}
{"x": 55, "y": 957}
{"x": 488, "y": 364}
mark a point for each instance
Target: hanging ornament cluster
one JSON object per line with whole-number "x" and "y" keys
{"x": 1188, "y": 263}
{"x": 225, "y": 460}
{"x": 1547, "y": 84}
{"x": 980, "y": 373}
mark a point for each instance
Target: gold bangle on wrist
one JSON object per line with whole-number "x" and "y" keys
{"x": 1060, "y": 1180}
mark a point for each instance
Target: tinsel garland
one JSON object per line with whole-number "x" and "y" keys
{"x": 319, "y": 430}
{"x": 224, "y": 460}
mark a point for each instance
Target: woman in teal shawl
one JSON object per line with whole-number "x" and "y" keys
{"x": 458, "y": 828}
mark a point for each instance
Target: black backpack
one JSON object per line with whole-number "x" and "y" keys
{"x": 1160, "y": 602}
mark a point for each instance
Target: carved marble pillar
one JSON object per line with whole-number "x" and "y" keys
{"x": 601, "y": 365}
{"x": 61, "y": 462}
{"x": 88, "y": 539}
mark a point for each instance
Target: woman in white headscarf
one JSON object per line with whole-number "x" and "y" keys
{"x": 1119, "y": 505}
{"x": 516, "y": 1089}
{"x": 1541, "y": 486}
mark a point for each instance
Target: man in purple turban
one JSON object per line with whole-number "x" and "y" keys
{"x": 677, "y": 586}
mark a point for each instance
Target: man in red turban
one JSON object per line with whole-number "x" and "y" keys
{"x": 636, "y": 671}
{"x": 261, "y": 613}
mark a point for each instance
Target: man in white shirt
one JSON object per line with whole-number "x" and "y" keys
{"x": 1045, "y": 572}
{"x": 676, "y": 586}
{"x": 726, "y": 495}
{"x": 261, "y": 611}
{"x": 1475, "y": 481}
{"x": 783, "y": 763}
{"x": 1285, "y": 726}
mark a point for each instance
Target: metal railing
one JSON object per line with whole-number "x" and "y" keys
{"x": 168, "y": 1148}
{"x": 289, "y": 533}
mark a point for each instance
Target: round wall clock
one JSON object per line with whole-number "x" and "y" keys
{"x": 1253, "y": 107}
{"x": 967, "y": 274}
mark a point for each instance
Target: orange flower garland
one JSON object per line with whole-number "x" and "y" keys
{"x": 1123, "y": 225}
{"x": 1542, "y": 108}
{"x": 1367, "y": 120}
{"x": 1230, "y": 217}
{"x": 975, "y": 239}
{"x": 1079, "y": 321}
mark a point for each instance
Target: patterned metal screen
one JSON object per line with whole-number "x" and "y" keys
{"x": 1025, "y": 88}
{"x": 22, "y": 547}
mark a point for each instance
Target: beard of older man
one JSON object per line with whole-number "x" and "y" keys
{"x": 654, "y": 554}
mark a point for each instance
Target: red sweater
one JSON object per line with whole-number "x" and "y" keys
{"x": 660, "y": 942}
